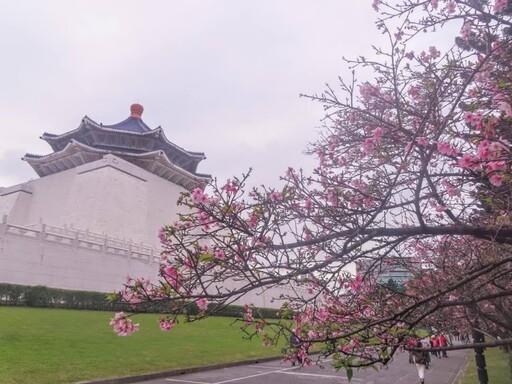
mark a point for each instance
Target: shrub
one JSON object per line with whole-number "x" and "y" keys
{"x": 42, "y": 296}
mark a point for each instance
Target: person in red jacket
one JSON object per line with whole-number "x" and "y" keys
{"x": 443, "y": 343}
{"x": 435, "y": 344}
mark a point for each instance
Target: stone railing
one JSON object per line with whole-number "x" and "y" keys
{"x": 78, "y": 239}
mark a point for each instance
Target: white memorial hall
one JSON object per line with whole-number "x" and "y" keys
{"x": 93, "y": 215}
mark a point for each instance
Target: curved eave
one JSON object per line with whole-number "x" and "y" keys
{"x": 198, "y": 155}
{"x": 87, "y": 123}
{"x": 53, "y": 137}
{"x": 70, "y": 157}
{"x": 139, "y": 124}
{"x": 153, "y": 132}
{"x": 158, "y": 164}
{"x": 76, "y": 153}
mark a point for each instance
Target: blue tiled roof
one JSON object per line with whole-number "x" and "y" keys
{"x": 131, "y": 124}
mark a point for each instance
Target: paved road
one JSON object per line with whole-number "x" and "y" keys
{"x": 442, "y": 371}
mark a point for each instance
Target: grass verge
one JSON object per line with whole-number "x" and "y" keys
{"x": 497, "y": 368}
{"x": 51, "y": 346}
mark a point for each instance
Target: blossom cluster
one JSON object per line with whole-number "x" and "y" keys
{"x": 123, "y": 326}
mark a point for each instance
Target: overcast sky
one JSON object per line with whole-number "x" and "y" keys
{"x": 222, "y": 77}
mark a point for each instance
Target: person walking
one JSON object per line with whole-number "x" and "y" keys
{"x": 419, "y": 358}
{"x": 435, "y": 344}
{"x": 426, "y": 344}
{"x": 295, "y": 345}
{"x": 443, "y": 343}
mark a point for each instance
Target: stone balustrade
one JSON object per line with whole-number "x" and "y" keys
{"x": 81, "y": 239}
{"x": 73, "y": 259}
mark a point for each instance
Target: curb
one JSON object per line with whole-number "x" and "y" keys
{"x": 462, "y": 370}
{"x": 177, "y": 372}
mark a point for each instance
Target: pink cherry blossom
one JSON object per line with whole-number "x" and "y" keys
{"x": 202, "y": 304}
{"x": 466, "y": 30}
{"x": 451, "y": 7}
{"x": 495, "y": 166}
{"x": 434, "y": 52}
{"x": 505, "y": 107}
{"x": 123, "y": 326}
{"x": 356, "y": 283}
{"x": 276, "y": 196}
{"x": 446, "y": 149}
{"x": 368, "y": 146}
{"x": 131, "y": 297}
{"x": 422, "y": 141}
{"x": 252, "y": 221}
{"x": 198, "y": 196}
{"x": 171, "y": 274}
{"x": 483, "y": 152}
{"x": 166, "y": 324}
{"x": 473, "y": 92}
{"x": 496, "y": 179}
{"x": 219, "y": 254}
{"x": 414, "y": 92}
{"x": 231, "y": 186}
{"x": 248, "y": 315}
{"x": 377, "y": 134}
{"x": 440, "y": 208}
{"x": 500, "y": 5}
{"x": 369, "y": 91}
{"x": 469, "y": 162}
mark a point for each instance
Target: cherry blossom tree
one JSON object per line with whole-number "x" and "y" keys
{"x": 413, "y": 164}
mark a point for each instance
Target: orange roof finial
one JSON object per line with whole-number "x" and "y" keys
{"x": 136, "y": 110}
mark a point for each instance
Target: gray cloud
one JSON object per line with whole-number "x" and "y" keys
{"x": 13, "y": 170}
{"x": 221, "y": 77}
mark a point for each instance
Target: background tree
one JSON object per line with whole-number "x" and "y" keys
{"x": 393, "y": 285}
{"x": 413, "y": 163}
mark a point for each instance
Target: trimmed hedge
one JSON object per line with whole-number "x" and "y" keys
{"x": 42, "y": 296}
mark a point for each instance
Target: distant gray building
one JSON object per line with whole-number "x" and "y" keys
{"x": 398, "y": 269}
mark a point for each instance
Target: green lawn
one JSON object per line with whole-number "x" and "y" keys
{"x": 497, "y": 368}
{"x": 40, "y": 346}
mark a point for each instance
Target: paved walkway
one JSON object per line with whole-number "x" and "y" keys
{"x": 399, "y": 371}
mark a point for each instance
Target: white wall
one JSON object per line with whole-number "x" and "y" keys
{"x": 15, "y": 201}
{"x": 59, "y": 259}
{"x": 40, "y": 257}
{"x": 109, "y": 196}
{"x": 86, "y": 228}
